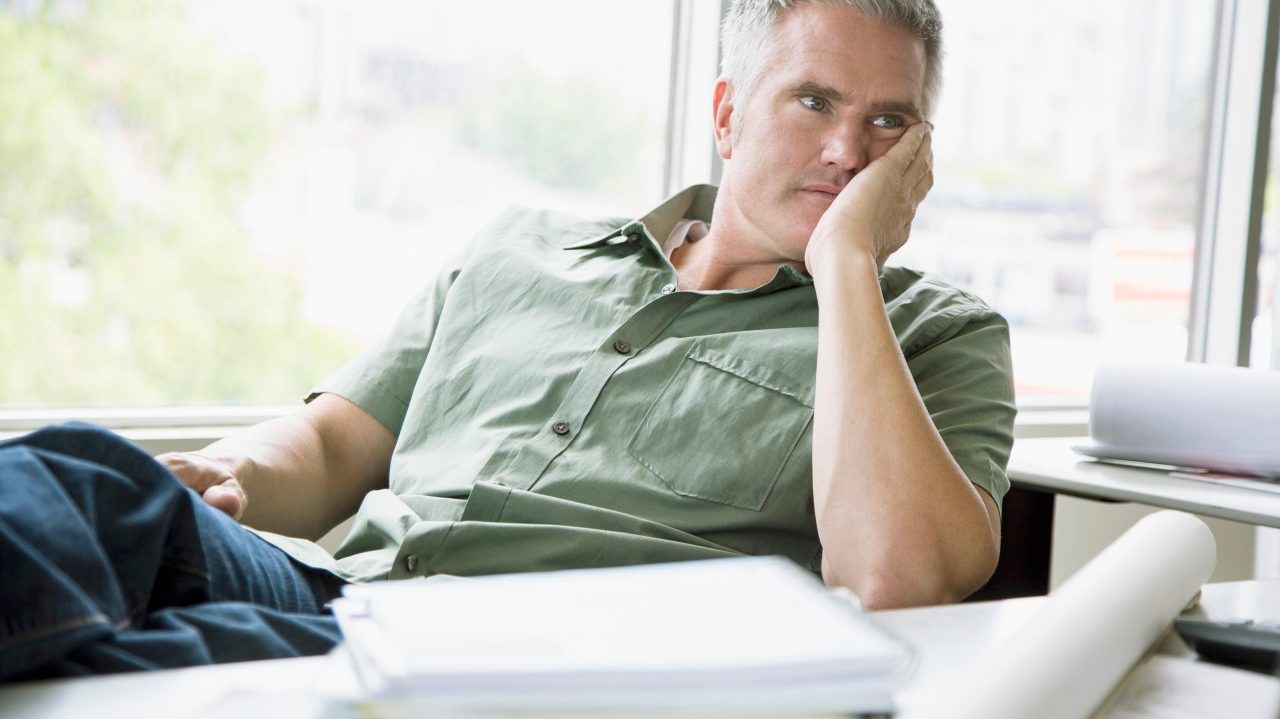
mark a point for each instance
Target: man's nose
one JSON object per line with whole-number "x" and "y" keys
{"x": 847, "y": 148}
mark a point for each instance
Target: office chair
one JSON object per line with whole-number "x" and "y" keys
{"x": 1026, "y": 529}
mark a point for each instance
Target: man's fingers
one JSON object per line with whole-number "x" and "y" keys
{"x": 913, "y": 151}
{"x": 227, "y": 497}
{"x": 212, "y": 480}
{"x": 920, "y": 188}
{"x": 195, "y": 470}
{"x": 918, "y": 138}
{"x": 917, "y": 176}
{"x": 922, "y": 157}
{"x": 920, "y": 172}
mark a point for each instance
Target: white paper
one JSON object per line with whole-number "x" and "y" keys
{"x": 1065, "y": 661}
{"x": 1181, "y": 688}
{"x": 1189, "y": 415}
{"x": 1256, "y": 484}
{"x": 756, "y": 633}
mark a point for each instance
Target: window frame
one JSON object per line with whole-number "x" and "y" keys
{"x": 1237, "y": 152}
{"x": 156, "y": 429}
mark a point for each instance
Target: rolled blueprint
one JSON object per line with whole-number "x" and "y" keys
{"x": 1067, "y": 658}
{"x": 1191, "y": 415}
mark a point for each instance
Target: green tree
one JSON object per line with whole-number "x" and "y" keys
{"x": 574, "y": 133}
{"x": 126, "y": 145}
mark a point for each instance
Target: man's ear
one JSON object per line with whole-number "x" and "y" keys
{"x": 722, "y": 115}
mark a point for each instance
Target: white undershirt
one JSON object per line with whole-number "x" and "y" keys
{"x": 686, "y": 230}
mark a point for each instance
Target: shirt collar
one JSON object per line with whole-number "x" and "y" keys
{"x": 693, "y": 203}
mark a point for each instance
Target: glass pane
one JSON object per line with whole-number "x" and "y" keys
{"x": 221, "y": 201}
{"x": 1266, "y": 333}
{"x": 1265, "y": 346}
{"x": 1069, "y": 151}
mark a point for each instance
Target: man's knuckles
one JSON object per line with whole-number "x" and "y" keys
{"x": 194, "y": 470}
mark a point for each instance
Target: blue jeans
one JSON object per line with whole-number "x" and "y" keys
{"x": 109, "y": 564}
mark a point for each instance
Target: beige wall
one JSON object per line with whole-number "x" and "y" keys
{"x": 1082, "y": 528}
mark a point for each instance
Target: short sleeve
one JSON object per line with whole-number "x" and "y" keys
{"x": 965, "y": 378}
{"x": 381, "y": 379}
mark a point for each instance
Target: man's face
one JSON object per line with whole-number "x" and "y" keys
{"x": 837, "y": 91}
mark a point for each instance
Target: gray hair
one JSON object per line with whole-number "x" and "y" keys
{"x": 747, "y": 35}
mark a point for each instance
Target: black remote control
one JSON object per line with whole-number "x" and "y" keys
{"x": 1241, "y": 642}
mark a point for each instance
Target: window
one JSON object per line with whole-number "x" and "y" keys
{"x": 207, "y": 202}
{"x": 221, "y": 202}
{"x": 1265, "y": 345}
{"x": 1069, "y": 155}
{"x": 1266, "y": 339}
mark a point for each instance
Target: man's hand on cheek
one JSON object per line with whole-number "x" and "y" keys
{"x": 873, "y": 214}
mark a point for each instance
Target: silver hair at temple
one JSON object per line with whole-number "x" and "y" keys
{"x": 747, "y": 37}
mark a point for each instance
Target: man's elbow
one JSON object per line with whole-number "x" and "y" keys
{"x": 901, "y": 582}
{"x": 891, "y": 591}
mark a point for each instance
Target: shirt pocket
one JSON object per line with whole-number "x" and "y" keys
{"x": 723, "y": 429}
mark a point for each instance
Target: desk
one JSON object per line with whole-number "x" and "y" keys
{"x": 946, "y": 638}
{"x": 1049, "y": 465}
{"x": 952, "y": 637}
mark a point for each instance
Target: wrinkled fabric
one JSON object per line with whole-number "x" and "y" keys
{"x": 558, "y": 404}
{"x": 110, "y": 564}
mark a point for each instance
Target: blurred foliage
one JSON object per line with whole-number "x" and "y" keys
{"x": 588, "y": 138}
{"x": 126, "y": 144}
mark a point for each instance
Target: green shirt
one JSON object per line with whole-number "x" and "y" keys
{"x": 559, "y": 403}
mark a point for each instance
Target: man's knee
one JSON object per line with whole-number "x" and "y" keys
{"x": 89, "y": 446}
{"x": 80, "y": 439}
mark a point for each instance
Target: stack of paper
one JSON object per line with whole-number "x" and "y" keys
{"x": 746, "y": 635}
{"x": 1187, "y": 415}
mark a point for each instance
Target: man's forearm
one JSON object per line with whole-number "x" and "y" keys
{"x": 271, "y": 461}
{"x": 306, "y": 471}
{"x": 899, "y": 522}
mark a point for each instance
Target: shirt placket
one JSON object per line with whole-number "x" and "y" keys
{"x": 640, "y": 330}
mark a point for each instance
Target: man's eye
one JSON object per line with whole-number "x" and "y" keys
{"x": 888, "y": 122}
{"x": 813, "y": 103}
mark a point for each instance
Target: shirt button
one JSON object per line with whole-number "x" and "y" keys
{"x": 411, "y": 563}
{"x": 668, "y": 288}
{"x": 622, "y": 347}
{"x": 633, "y": 238}
{"x": 560, "y": 428}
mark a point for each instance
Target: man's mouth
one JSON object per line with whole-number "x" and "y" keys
{"x": 823, "y": 192}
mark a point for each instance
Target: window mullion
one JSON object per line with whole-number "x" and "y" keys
{"x": 1224, "y": 296}
{"x": 695, "y": 60}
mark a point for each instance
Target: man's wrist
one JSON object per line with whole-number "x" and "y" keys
{"x": 838, "y": 261}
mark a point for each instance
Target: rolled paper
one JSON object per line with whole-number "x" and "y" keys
{"x": 1194, "y": 415}
{"x": 1067, "y": 658}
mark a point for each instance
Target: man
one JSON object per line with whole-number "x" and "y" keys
{"x": 734, "y": 373}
